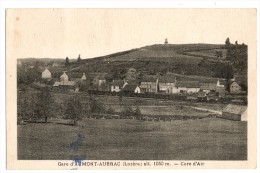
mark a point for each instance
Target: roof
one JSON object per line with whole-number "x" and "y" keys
{"x": 208, "y": 86}
{"x": 46, "y": 71}
{"x": 117, "y": 83}
{"x": 133, "y": 82}
{"x": 238, "y": 83}
{"x": 188, "y": 84}
{"x": 149, "y": 78}
{"x": 68, "y": 83}
{"x": 235, "y": 109}
{"x": 209, "y": 80}
{"x": 56, "y": 84}
{"x": 64, "y": 75}
{"x": 130, "y": 88}
{"x": 167, "y": 79}
{"x": 65, "y": 83}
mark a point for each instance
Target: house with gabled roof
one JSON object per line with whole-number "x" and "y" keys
{"x": 235, "y": 87}
{"x": 64, "y": 83}
{"x": 149, "y": 83}
{"x": 84, "y": 77}
{"x": 64, "y": 77}
{"x": 65, "y": 86}
{"x": 46, "y": 74}
{"x": 131, "y": 89}
{"x": 208, "y": 85}
{"x": 99, "y": 80}
{"x": 117, "y": 85}
{"x": 166, "y": 83}
{"x": 186, "y": 87}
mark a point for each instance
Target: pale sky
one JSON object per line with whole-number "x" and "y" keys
{"x": 57, "y": 33}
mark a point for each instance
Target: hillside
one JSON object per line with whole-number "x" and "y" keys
{"x": 163, "y": 53}
{"x": 206, "y": 60}
{"x": 158, "y": 58}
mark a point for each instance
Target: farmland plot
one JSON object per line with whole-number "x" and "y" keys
{"x": 92, "y": 139}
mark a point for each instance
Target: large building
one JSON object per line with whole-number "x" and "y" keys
{"x": 235, "y": 112}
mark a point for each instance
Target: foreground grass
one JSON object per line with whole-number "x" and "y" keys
{"x": 91, "y": 139}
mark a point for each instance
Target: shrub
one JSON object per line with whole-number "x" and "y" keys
{"x": 96, "y": 106}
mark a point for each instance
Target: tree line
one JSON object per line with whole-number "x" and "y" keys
{"x": 43, "y": 106}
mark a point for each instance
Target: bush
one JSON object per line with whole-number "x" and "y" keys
{"x": 127, "y": 112}
{"x": 73, "y": 110}
{"x": 137, "y": 113}
{"x": 96, "y": 106}
{"x": 110, "y": 110}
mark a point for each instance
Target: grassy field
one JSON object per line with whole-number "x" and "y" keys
{"x": 210, "y": 53}
{"x": 138, "y": 101}
{"x": 91, "y": 139}
{"x": 169, "y": 53}
{"x": 147, "y": 106}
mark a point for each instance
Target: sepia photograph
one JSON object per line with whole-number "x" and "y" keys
{"x": 130, "y": 85}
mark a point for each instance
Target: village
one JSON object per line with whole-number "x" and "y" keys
{"x": 216, "y": 90}
{"x": 167, "y": 84}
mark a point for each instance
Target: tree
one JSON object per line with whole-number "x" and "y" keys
{"x": 127, "y": 111}
{"x": 44, "y": 104}
{"x": 74, "y": 110}
{"x": 67, "y": 62}
{"x": 79, "y": 59}
{"x": 25, "y": 105}
{"x": 218, "y": 53}
{"x": 110, "y": 110}
{"x": 96, "y": 106}
{"x": 223, "y": 70}
{"x": 137, "y": 113}
{"x": 131, "y": 74}
{"x": 227, "y": 42}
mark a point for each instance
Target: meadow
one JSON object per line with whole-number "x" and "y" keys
{"x": 124, "y": 139}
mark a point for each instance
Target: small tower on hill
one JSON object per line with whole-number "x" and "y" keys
{"x": 166, "y": 41}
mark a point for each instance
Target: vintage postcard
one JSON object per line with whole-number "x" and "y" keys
{"x": 131, "y": 88}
